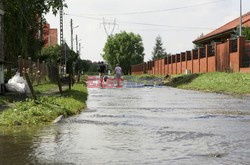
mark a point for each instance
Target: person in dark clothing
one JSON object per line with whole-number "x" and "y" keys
{"x": 101, "y": 70}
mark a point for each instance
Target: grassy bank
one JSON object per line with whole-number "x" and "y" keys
{"x": 45, "y": 87}
{"x": 231, "y": 83}
{"x": 46, "y": 109}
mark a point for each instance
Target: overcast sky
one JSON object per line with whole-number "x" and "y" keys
{"x": 177, "y": 22}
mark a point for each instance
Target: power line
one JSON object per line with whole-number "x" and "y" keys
{"x": 155, "y": 11}
{"x": 145, "y": 24}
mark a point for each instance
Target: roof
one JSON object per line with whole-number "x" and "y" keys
{"x": 227, "y": 27}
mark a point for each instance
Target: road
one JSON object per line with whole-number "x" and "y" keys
{"x": 140, "y": 126}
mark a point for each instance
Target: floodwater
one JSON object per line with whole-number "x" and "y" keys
{"x": 139, "y": 126}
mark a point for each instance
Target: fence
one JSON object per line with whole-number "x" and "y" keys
{"x": 38, "y": 71}
{"x": 233, "y": 55}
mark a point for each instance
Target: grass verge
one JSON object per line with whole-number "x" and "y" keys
{"x": 46, "y": 109}
{"x": 44, "y": 87}
{"x": 220, "y": 82}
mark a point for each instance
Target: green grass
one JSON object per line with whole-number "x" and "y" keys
{"x": 44, "y": 87}
{"x": 231, "y": 83}
{"x": 46, "y": 109}
{"x": 4, "y": 100}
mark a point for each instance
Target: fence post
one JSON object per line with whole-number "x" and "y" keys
{"x": 43, "y": 71}
{"x": 186, "y": 59}
{"x": 192, "y": 59}
{"x": 199, "y": 57}
{"x": 20, "y": 68}
{"x": 207, "y": 52}
{"x": 215, "y": 55}
{"x": 38, "y": 73}
{"x": 240, "y": 48}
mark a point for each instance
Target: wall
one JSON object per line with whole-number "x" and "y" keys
{"x": 228, "y": 56}
{"x": 203, "y": 65}
{"x": 53, "y": 37}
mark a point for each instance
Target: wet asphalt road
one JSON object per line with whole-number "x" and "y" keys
{"x": 140, "y": 126}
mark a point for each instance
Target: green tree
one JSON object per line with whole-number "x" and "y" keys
{"x": 51, "y": 53}
{"x": 83, "y": 65}
{"x": 246, "y": 32}
{"x": 196, "y": 46}
{"x": 22, "y": 21}
{"x": 158, "y": 52}
{"x": 125, "y": 49}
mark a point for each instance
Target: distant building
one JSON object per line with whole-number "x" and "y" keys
{"x": 1, "y": 48}
{"x": 49, "y": 36}
{"x": 224, "y": 32}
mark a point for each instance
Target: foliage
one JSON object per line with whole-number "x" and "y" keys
{"x": 83, "y": 65}
{"x": 51, "y": 53}
{"x": 22, "y": 21}
{"x": 93, "y": 68}
{"x": 71, "y": 60}
{"x": 246, "y": 33}
{"x": 46, "y": 109}
{"x": 234, "y": 83}
{"x": 45, "y": 87}
{"x": 125, "y": 49}
{"x": 196, "y": 46}
{"x": 159, "y": 52}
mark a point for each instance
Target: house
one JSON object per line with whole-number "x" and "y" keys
{"x": 49, "y": 36}
{"x": 1, "y": 48}
{"x": 219, "y": 51}
{"x": 224, "y": 32}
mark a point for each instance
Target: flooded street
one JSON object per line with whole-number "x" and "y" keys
{"x": 140, "y": 126}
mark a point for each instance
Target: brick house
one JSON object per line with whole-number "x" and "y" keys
{"x": 1, "y": 47}
{"x": 224, "y": 32}
{"x": 218, "y": 51}
{"x": 49, "y": 36}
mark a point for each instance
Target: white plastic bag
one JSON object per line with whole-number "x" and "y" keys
{"x": 17, "y": 84}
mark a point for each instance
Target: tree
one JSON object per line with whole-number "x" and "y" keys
{"x": 246, "y": 32}
{"x": 158, "y": 52}
{"x": 125, "y": 49}
{"x": 22, "y": 21}
{"x": 196, "y": 46}
{"x": 51, "y": 53}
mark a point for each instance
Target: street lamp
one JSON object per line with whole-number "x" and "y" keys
{"x": 240, "y": 18}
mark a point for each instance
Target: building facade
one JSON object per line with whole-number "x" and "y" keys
{"x": 49, "y": 36}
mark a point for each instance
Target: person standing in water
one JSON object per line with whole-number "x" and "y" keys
{"x": 101, "y": 69}
{"x": 118, "y": 72}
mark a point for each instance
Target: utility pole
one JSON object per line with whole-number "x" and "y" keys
{"x": 61, "y": 26}
{"x": 71, "y": 27}
{"x": 80, "y": 48}
{"x": 76, "y": 43}
{"x": 240, "y": 17}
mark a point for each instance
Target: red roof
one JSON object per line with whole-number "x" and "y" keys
{"x": 227, "y": 27}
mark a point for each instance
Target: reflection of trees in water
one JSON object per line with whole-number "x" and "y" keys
{"x": 16, "y": 145}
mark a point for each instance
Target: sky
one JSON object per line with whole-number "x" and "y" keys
{"x": 177, "y": 22}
